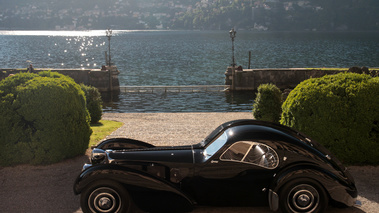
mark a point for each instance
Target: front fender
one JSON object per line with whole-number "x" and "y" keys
{"x": 122, "y": 175}
{"x": 135, "y": 181}
{"x": 122, "y": 143}
{"x": 337, "y": 188}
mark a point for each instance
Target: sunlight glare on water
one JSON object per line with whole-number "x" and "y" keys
{"x": 72, "y": 33}
{"x": 54, "y": 33}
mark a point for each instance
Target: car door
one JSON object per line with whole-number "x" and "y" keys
{"x": 237, "y": 175}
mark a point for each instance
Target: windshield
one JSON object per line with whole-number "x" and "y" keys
{"x": 213, "y": 134}
{"x": 215, "y": 146}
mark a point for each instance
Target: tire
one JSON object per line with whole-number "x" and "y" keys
{"x": 105, "y": 197}
{"x": 303, "y": 195}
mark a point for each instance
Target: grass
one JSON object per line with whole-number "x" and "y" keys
{"x": 102, "y": 129}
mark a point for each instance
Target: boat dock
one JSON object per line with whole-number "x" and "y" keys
{"x": 177, "y": 89}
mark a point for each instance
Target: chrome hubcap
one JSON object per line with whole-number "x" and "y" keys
{"x": 105, "y": 203}
{"x": 303, "y": 198}
{"x": 104, "y": 200}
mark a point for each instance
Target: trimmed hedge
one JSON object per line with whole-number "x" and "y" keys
{"x": 339, "y": 111}
{"x": 267, "y": 104}
{"x": 93, "y": 102}
{"x": 43, "y": 119}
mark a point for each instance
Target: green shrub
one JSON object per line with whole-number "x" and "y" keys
{"x": 94, "y": 102}
{"x": 267, "y": 104}
{"x": 43, "y": 119}
{"x": 341, "y": 112}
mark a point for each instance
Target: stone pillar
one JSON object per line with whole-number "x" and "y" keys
{"x": 114, "y": 84}
{"x": 228, "y": 76}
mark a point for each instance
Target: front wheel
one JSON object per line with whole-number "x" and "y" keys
{"x": 105, "y": 197}
{"x": 303, "y": 195}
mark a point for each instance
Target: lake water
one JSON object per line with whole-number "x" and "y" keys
{"x": 185, "y": 58}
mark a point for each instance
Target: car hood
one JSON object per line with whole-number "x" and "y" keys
{"x": 181, "y": 154}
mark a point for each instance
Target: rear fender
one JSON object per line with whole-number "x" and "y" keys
{"x": 122, "y": 143}
{"x": 336, "y": 188}
{"x": 133, "y": 180}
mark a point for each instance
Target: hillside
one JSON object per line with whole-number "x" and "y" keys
{"x": 316, "y": 15}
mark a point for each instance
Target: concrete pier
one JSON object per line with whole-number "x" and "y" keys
{"x": 283, "y": 78}
{"x": 105, "y": 79}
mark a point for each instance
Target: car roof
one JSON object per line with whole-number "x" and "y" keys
{"x": 241, "y": 122}
{"x": 276, "y": 126}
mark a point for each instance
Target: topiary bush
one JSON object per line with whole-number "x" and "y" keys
{"x": 339, "y": 111}
{"x": 43, "y": 119}
{"x": 94, "y": 102}
{"x": 267, "y": 104}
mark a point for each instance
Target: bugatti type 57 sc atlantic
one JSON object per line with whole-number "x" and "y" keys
{"x": 241, "y": 163}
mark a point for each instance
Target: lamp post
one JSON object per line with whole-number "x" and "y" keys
{"x": 109, "y": 35}
{"x": 232, "y": 34}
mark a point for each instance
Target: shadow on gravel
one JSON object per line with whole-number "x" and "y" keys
{"x": 206, "y": 209}
{"x": 367, "y": 181}
{"x": 49, "y": 188}
{"x": 32, "y": 189}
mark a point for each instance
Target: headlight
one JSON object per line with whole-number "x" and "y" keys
{"x": 98, "y": 156}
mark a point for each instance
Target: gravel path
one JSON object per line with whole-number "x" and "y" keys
{"x": 32, "y": 189}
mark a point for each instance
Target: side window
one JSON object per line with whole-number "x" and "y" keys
{"x": 236, "y": 152}
{"x": 252, "y": 153}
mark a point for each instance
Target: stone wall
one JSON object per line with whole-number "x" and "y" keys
{"x": 105, "y": 80}
{"x": 250, "y": 79}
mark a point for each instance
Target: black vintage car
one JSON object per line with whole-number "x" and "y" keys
{"x": 241, "y": 163}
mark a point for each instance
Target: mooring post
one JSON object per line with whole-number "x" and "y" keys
{"x": 110, "y": 79}
{"x": 248, "y": 67}
{"x": 106, "y": 57}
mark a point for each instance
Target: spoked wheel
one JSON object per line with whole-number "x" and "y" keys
{"x": 105, "y": 197}
{"x": 302, "y": 196}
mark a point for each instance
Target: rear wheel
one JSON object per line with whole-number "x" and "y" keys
{"x": 303, "y": 195}
{"x": 105, "y": 197}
